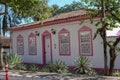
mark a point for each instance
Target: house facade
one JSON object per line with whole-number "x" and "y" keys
{"x": 59, "y": 38}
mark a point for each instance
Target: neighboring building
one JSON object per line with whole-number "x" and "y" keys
{"x": 61, "y": 37}
{"x": 118, "y": 33}
{"x": 5, "y": 44}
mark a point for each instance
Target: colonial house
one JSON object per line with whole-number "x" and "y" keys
{"x": 61, "y": 37}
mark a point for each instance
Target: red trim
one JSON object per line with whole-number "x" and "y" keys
{"x": 62, "y": 32}
{"x": 46, "y": 33}
{"x": 53, "y": 22}
{"x": 32, "y": 35}
{"x": 99, "y": 69}
{"x": 85, "y": 28}
{"x": 71, "y": 67}
{"x": 20, "y": 37}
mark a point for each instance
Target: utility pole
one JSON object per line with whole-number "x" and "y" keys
{"x": 1, "y": 55}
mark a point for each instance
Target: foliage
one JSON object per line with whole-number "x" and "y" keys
{"x": 118, "y": 49}
{"x": 45, "y": 69}
{"x": 14, "y": 11}
{"x": 36, "y": 8}
{"x": 117, "y": 73}
{"x": 20, "y": 66}
{"x": 83, "y": 66}
{"x": 66, "y": 8}
{"x": 32, "y": 67}
{"x": 5, "y": 55}
{"x": 109, "y": 10}
{"x": 49, "y": 67}
{"x": 13, "y": 60}
{"x": 60, "y": 67}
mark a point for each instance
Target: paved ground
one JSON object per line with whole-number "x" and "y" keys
{"x": 27, "y": 75}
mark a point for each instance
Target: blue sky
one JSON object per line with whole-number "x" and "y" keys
{"x": 60, "y": 2}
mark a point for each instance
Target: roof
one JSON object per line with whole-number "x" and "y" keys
{"x": 61, "y": 16}
{"x": 5, "y": 42}
{"x": 67, "y": 15}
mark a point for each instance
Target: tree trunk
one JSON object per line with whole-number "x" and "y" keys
{"x": 103, "y": 35}
{"x": 113, "y": 55}
{"x": 112, "y": 61}
{"x": 105, "y": 54}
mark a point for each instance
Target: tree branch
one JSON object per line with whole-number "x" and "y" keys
{"x": 113, "y": 15}
{"x": 116, "y": 42}
{"x": 102, "y": 35}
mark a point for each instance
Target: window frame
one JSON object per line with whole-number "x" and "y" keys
{"x": 32, "y": 35}
{"x": 20, "y": 37}
{"x": 85, "y": 29}
{"x": 64, "y": 31}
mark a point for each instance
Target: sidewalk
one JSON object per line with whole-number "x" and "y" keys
{"x": 28, "y": 75}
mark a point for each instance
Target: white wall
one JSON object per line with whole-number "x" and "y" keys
{"x": 97, "y": 59}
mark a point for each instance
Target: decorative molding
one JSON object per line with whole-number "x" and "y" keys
{"x": 46, "y": 33}
{"x": 82, "y": 29}
{"x": 62, "y": 31}
{"x": 32, "y": 35}
{"x": 20, "y": 37}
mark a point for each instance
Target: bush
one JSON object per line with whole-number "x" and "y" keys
{"x": 5, "y": 55}
{"x": 45, "y": 69}
{"x": 49, "y": 67}
{"x": 83, "y": 66}
{"x": 0, "y": 67}
{"x": 20, "y": 66}
{"x": 32, "y": 67}
{"x": 60, "y": 67}
{"x": 12, "y": 60}
{"x": 117, "y": 73}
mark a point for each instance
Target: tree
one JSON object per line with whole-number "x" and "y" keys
{"x": 66, "y": 8}
{"x": 37, "y": 9}
{"x": 110, "y": 16}
{"x": 54, "y": 8}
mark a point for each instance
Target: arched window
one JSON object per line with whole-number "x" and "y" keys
{"x": 85, "y": 41}
{"x": 32, "y": 44}
{"x": 64, "y": 42}
{"x": 20, "y": 45}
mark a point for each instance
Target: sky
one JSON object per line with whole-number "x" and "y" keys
{"x": 60, "y": 2}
